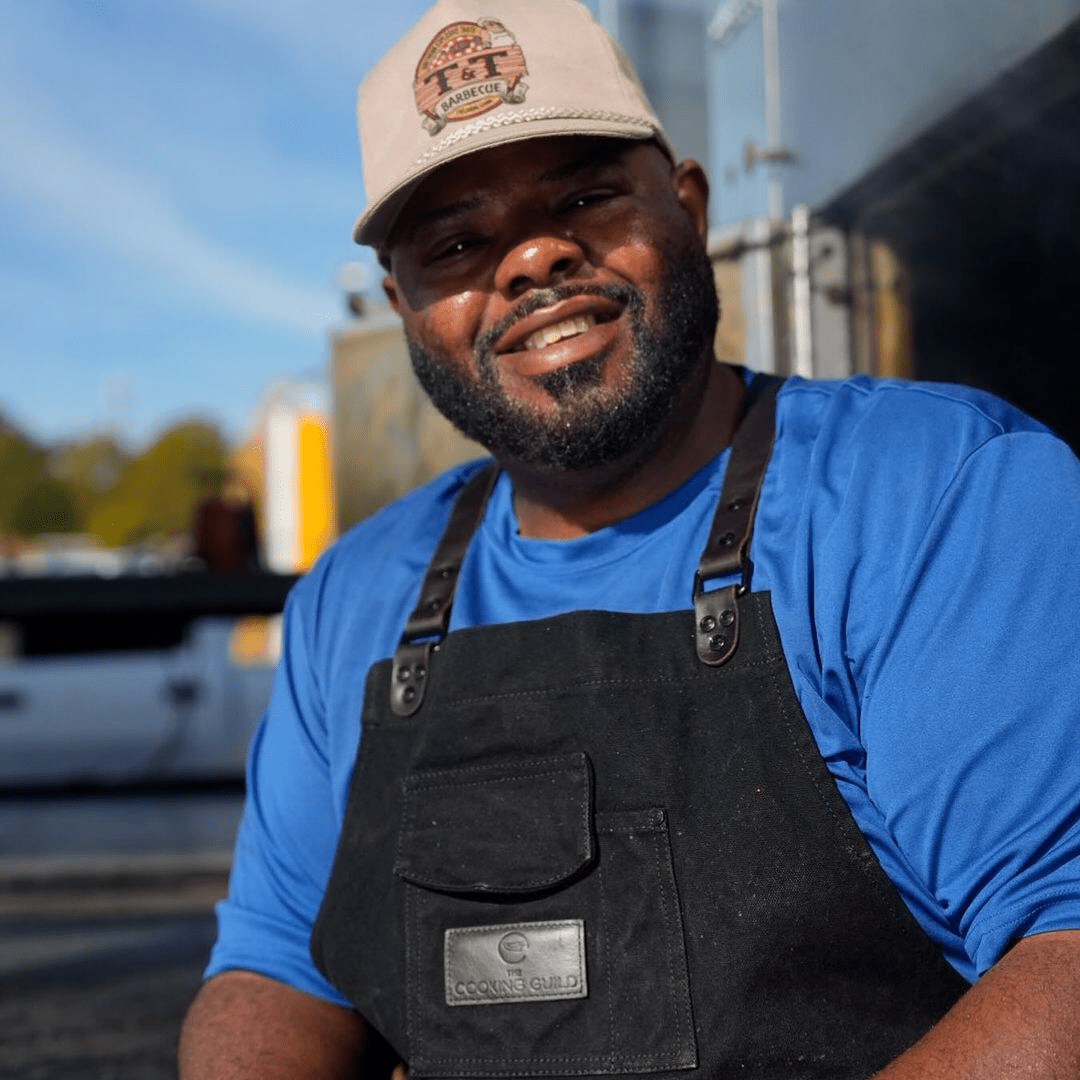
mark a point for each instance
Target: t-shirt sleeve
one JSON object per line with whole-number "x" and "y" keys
{"x": 971, "y": 699}
{"x": 288, "y": 831}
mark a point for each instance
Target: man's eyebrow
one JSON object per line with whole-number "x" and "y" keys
{"x": 439, "y": 213}
{"x": 583, "y": 163}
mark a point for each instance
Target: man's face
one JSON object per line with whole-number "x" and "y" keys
{"x": 556, "y": 295}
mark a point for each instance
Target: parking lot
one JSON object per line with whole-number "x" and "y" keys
{"x": 105, "y": 925}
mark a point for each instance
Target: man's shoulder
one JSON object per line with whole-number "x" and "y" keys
{"x": 875, "y": 423}
{"x": 860, "y": 399}
{"x": 876, "y": 455}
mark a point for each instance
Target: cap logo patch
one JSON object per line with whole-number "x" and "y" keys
{"x": 468, "y": 68}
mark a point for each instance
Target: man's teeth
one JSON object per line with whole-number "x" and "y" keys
{"x": 568, "y": 328}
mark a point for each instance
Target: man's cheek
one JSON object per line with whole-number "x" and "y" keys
{"x": 451, "y": 325}
{"x": 640, "y": 264}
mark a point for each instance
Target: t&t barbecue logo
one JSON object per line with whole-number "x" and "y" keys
{"x": 468, "y": 69}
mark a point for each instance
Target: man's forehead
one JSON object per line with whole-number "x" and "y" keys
{"x": 463, "y": 184}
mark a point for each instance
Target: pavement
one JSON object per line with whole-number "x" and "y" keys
{"x": 106, "y": 921}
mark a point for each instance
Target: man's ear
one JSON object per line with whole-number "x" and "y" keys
{"x": 692, "y": 190}
{"x": 390, "y": 288}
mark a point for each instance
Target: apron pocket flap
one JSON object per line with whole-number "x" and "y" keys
{"x": 506, "y": 828}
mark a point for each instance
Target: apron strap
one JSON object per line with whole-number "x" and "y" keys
{"x": 727, "y": 551}
{"x": 716, "y": 613}
{"x": 427, "y": 625}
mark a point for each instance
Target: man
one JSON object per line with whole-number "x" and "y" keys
{"x": 635, "y": 795}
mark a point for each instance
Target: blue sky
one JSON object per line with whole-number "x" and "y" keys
{"x": 178, "y": 180}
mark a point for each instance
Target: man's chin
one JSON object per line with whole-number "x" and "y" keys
{"x": 564, "y": 381}
{"x": 591, "y": 412}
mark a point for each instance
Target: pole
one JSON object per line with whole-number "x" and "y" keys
{"x": 802, "y": 325}
{"x": 770, "y": 25}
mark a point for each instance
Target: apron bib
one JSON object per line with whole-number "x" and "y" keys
{"x": 606, "y": 843}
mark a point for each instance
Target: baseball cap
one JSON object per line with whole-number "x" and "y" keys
{"x": 478, "y": 73}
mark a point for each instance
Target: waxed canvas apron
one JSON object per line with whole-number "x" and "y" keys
{"x": 606, "y": 843}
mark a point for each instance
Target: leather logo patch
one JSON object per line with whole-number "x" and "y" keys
{"x": 467, "y": 69}
{"x": 492, "y": 965}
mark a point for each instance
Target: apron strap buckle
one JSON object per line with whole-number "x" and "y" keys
{"x": 716, "y": 623}
{"x": 409, "y": 677}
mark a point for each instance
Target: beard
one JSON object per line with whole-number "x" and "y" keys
{"x": 590, "y": 423}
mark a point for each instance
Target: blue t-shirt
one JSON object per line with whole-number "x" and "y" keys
{"x": 922, "y": 547}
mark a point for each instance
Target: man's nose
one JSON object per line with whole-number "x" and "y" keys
{"x": 537, "y": 263}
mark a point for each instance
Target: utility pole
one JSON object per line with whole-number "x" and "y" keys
{"x": 771, "y": 47}
{"x": 730, "y": 17}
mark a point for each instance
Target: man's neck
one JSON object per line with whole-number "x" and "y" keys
{"x": 561, "y": 505}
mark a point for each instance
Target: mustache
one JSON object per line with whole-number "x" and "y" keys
{"x": 620, "y": 292}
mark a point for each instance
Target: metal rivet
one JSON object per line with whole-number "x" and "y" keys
{"x": 420, "y": 671}
{"x": 727, "y": 616}
{"x": 727, "y": 539}
{"x": 404, "y": 674}
{"x": 434, "y": 605}
{"x": 736, "y": 504}
{"x": 718, "y": 643}
{"x": 446, "y": 571}
{"x": 707, "y": 624}
{"x": 408, "y": 695}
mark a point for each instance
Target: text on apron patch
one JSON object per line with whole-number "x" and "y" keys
{"x": 515, "y": 962}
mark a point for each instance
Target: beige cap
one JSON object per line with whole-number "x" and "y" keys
{"x": 477, "y": 73}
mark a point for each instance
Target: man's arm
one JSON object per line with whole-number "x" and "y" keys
{"x": 242, "y": 1025}
{"x": 1021, "y": 1019}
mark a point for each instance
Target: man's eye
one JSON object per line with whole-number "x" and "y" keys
{"x": 588, "y": 198}
{"x": 452, "y": 248}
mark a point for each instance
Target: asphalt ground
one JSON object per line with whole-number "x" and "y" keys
{"x": 104, "y": 933}
{"x": 111, "y": 1013}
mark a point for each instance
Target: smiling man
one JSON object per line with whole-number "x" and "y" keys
{"x": 587, "y": 348}
{"x": 714, "y": 727}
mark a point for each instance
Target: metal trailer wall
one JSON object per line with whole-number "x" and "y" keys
{"x": 937, "y": 145}
{"x": 981, "y": 214}
{"x": 858, "y": 81}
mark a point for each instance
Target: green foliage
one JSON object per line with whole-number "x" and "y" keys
{"x": 117, "y": 523}
{"x": 94, "y": 486}
{"x": 159, "y": 490}
{"x": 31, "y": 499}
{"x": 92, "y": 466}
{"x": 45, "y": 506}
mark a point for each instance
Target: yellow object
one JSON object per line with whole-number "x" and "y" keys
{"x": 315, "y": 495}
{"x": 255, "y": 641}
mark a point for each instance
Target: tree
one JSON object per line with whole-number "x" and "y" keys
{"x": 46, "y": 505}
{"x": 32, "y": 500}
{"x": 159, "y": 490}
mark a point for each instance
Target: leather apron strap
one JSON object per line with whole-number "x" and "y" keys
{"x": 727, "y": 551}
{"x": 428, "y": 623}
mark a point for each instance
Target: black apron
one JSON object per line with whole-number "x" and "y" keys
{"x": 606, "y": 843}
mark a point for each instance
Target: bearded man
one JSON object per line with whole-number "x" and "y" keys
{"x": 716, "y": 727}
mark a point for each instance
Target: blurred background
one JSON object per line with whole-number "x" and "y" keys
{"x": 200, "y": 385}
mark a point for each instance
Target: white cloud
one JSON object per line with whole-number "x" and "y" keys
{"x": 73, "y": 189}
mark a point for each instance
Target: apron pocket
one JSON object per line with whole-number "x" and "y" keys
{"x": 499, "y": 829}
{"x": 541, "y": 938}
